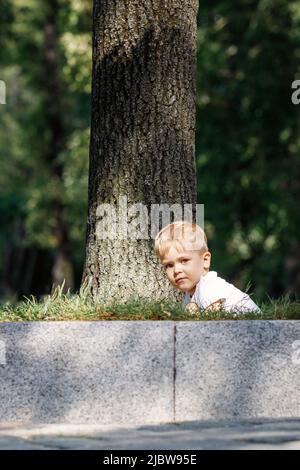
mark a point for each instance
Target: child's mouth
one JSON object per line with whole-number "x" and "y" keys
{"x": 180, "y": 280}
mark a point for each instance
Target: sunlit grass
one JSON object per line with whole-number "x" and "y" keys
{"x": 63, "y": 307}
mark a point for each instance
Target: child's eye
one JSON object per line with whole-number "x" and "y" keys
{"x": 185, "y": 260}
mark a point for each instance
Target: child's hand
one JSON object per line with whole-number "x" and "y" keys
{"x": 218, "y": 305}
{"x": 192, "y": 307}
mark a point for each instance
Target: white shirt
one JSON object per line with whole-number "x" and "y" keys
{"x": 211, "y": 288}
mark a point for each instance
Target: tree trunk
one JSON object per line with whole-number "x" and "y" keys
{"x": 142, "y": 134}
{"x": 62, "y": 270}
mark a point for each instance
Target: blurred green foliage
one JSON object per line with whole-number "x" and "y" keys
{"x": 247, "y": 142}
{"x": 26, "y": 186}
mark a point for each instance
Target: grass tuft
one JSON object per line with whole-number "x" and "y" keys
{"x": 63, "y": 307}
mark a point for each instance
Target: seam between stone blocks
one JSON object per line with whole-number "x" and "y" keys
{"x": 174, "y": 372}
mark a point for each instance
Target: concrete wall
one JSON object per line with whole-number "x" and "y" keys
{"x": 148, "y": 372}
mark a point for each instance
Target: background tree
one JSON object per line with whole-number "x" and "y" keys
{"x": 143, "y": 131}
{"x": 44, "y": 143}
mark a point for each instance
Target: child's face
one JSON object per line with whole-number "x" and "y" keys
{"x": 184, "y": 269}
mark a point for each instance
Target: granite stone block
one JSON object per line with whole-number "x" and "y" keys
{"x": 81, "y": 372}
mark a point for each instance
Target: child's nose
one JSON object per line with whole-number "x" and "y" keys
{"x": 177, "y": 268}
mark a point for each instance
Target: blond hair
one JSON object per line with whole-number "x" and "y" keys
{"x": 184, "y": 235}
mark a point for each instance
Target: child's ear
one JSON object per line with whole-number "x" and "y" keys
{"x": 206, "y": 259}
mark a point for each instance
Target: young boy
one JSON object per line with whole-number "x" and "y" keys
{"x": 183, "y": 251}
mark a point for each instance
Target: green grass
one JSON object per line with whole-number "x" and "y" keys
{"x": 59, "y": 307}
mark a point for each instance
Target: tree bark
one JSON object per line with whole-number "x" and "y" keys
{"x": 142, "y": 132}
